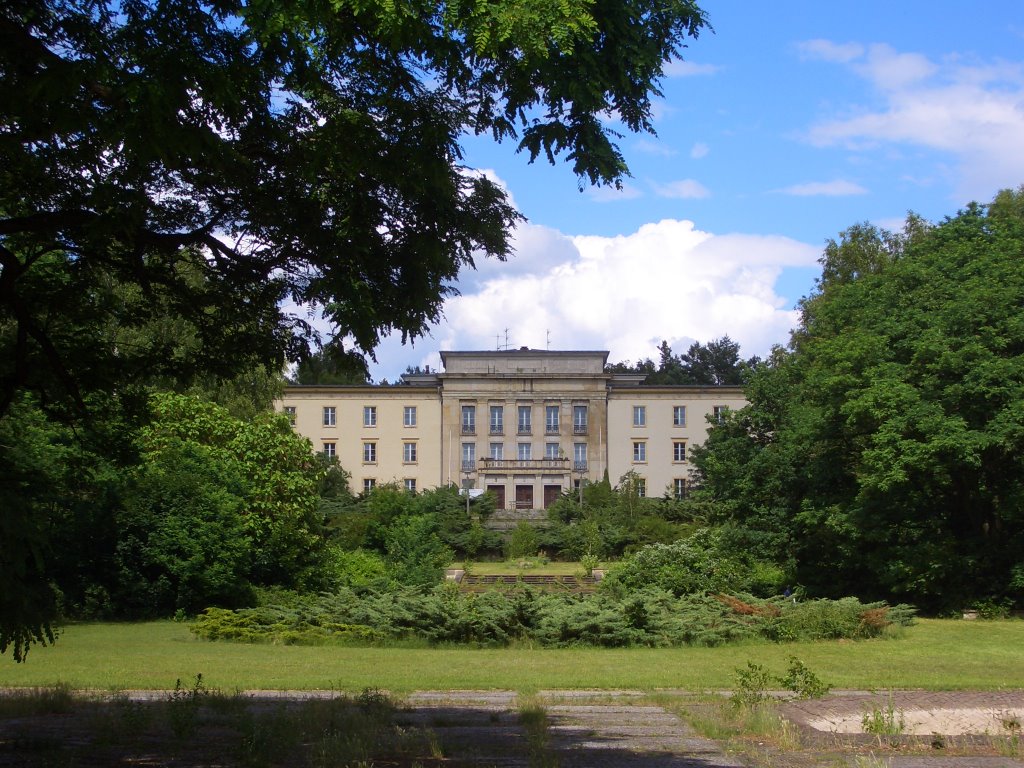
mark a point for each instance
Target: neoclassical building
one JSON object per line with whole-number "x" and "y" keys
{"x": 525, "y": 424}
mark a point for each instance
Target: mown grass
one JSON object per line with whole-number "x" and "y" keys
{"x": 934, "y": 654}
{"x": 529, "y": 566}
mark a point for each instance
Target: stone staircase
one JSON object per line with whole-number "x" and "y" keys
{"x": 507, "y": 519}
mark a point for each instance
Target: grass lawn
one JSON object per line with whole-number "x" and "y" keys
{"x": 530, "y": 566}
{"x": 933, "y": 654}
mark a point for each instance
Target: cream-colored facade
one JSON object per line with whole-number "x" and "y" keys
{"x": 526, "y": 425}
{"x": 379, "y": 434}
{"x": 655, "y": 428}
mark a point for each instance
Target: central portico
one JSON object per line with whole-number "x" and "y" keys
{"x": 524, "y": 424}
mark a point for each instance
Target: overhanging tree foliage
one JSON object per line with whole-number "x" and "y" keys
{"x": 293, "y": 150}
{"x": 884, "y": 453}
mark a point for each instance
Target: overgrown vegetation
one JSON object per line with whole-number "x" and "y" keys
{"x": 195, "y": 725}
{"x": 650, "y": 617}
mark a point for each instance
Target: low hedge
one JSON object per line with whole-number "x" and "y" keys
{"x": 650, "y": 617}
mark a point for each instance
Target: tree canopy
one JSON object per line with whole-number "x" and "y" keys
{"x": 225, "y": 157}
{"x": 883, "y": 453}
{"x": 715, "y": 363}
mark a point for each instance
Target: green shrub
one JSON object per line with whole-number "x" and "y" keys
{"x": 650, "y": 617}
{"x": 524, "y": 542}
{"x": 802, "y": 681}
{"x": 752, "y": 686}
{"x": 356, "y": 569}
{"x": 692, "y": 566}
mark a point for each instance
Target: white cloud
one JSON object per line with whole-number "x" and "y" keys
{"x": 835, "y": 188}
{"x": 826, "y": 50}
{"x": 699, "y": 150}
{"x": 686, "y": 189}
{"x": 974, "y": 113}
{"x": 667, "y": 280}
{"x": 680, "y": 68}
{"x": 649, "y": 147}
{"x": 891, "y": 70}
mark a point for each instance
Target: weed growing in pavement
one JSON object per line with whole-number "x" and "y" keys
{"x": 183, "y": 707}
{"x": 122, "y": 720}
{"x": 534, "y": 720}
{"x": 55, "y": 700}
{"x": 872, "y": 761}
{"x": 753, "y": 683}
{"x": 752, "y": 686}
{"x": 1009, "y": 745}
{"x": 802, "y": 681}
{"x": 885, "y": 723}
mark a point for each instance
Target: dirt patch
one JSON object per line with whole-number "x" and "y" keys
{"x": 913, "y": 713}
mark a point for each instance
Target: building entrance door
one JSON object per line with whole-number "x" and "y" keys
{"x": 551, "y": 494}
{"x": 499, "y": 495}
{"x": 524, "y": 497}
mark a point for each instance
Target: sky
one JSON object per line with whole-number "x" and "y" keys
{"x": 788, "y": 123}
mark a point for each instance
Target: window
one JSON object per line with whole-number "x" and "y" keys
{"x": 469, "y": 419}
{"x": 497, "y": 419}
{"x": 639, "y": 415}
{"x": 409, "y": 453}
{"x": 641, "y": 487}
{"x": 525, "y": 451}
{"x": 289, "y": 411}
{"x": 551, "y": 419}
{"x": 410, "y": 484}
{"x": 579, "y": 419}
{"x": 640, "y": 451}
{"x": 678, "y": 451}
{"x": 551, "y": 450}
{"x": 330, "y": 450}
{"x": 369, "y": 453}
{"x": 369, "y": 416}
{"x": 579, "y": 456}
{"x": 525, "y": 415}
{"x": 719, "y": 412}
{"x": 409, "y": 416}
{"x": 678, "y": 415}
{"x": 679, "y": 488}
{"x": 330, "y": 416}
{"x": 369, "y": 484}
{"x": 497, "y": 451}
{"x": 468, "y": 457}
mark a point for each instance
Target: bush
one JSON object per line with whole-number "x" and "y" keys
{"x": 650, "y": 617}
{"x": 699, "y": 564}
{"x": 524, "y": 542}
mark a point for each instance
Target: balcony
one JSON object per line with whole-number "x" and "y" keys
{"x": 524, "y": 429}
{"x": 525, "y": 465}
{"x": 468, "y": 466}
{"x": 551, "y": 429}
{"x": 469, "y": 429}
{"x": 579, "y": 466}
{"x": 579, "y": 429}
{"x": 497, "y": 429}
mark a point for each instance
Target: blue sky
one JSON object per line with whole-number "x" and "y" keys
{"x": 787, "y": 124}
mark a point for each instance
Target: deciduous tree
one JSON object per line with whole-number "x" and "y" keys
{"x": 885, "y": 451}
